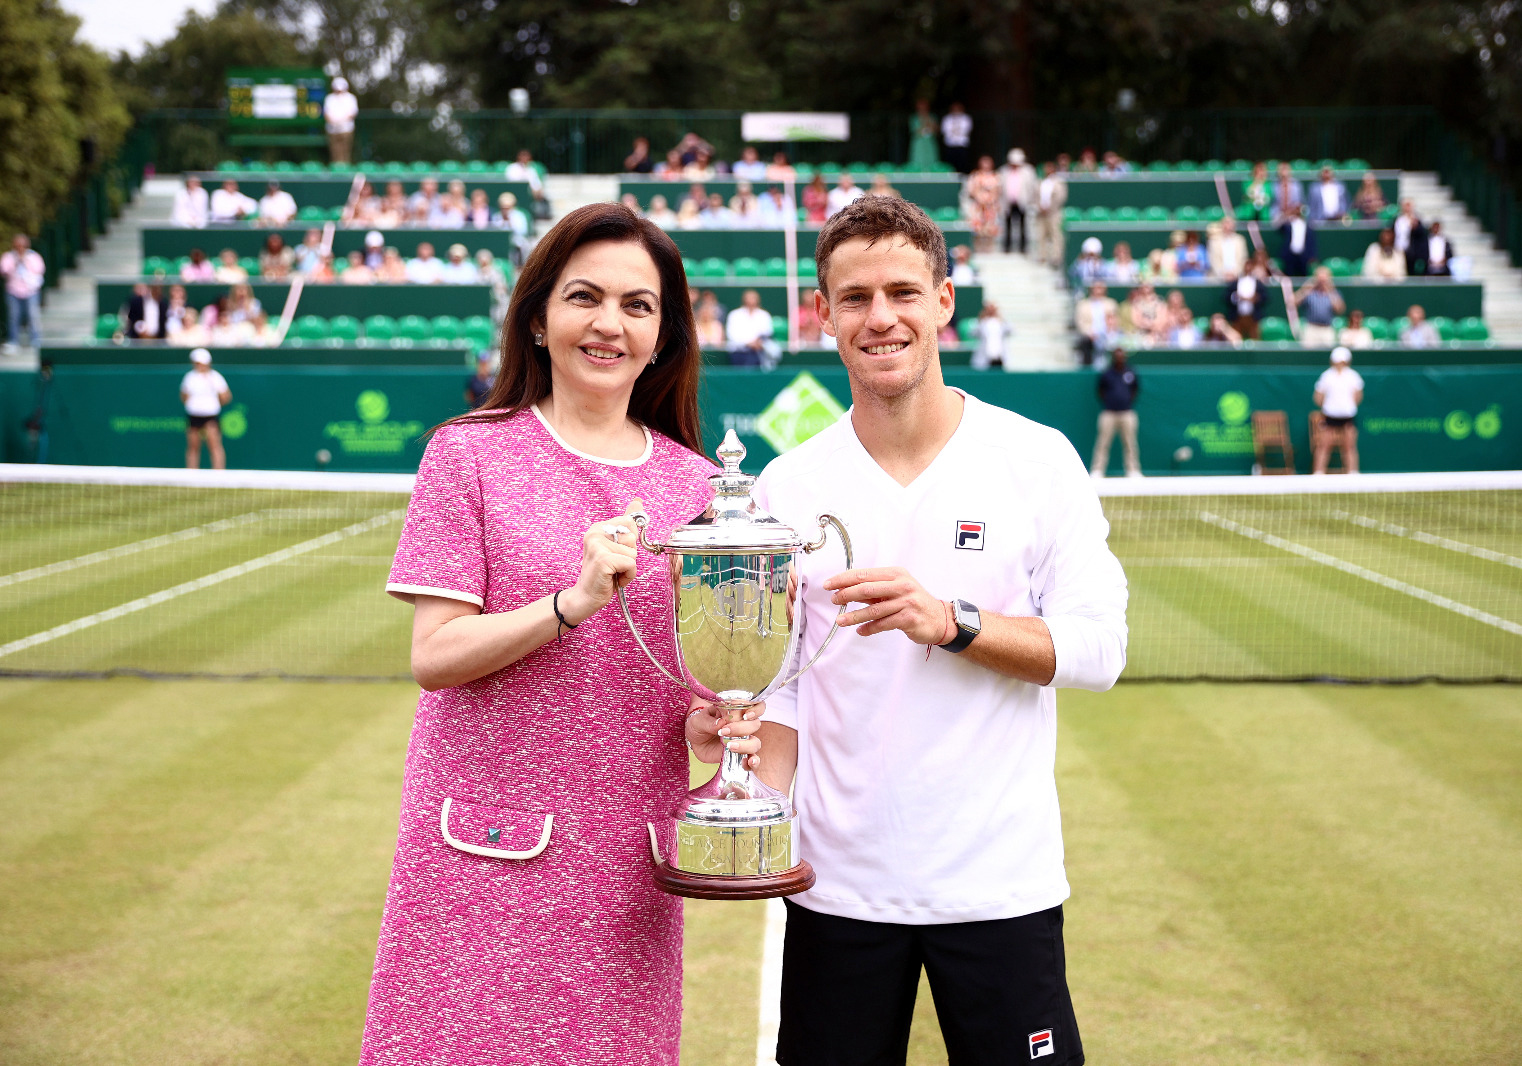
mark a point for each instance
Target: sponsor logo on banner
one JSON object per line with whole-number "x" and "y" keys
{"x": 970, "y": 535}
{"x": 800, "y": 409}
{"x": 1041, "y": 1044}
{"x": 375, "y": 433}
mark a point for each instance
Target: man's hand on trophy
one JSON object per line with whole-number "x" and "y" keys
{"x": 709, "y": 732}
{"x": 894, "y": 600}
{"x": 608, "y": 552}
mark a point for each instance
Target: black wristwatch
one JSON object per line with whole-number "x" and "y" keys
{"x": 969, "y": 624}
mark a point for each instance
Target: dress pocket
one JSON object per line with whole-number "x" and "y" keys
{"x": 494, "y": 832}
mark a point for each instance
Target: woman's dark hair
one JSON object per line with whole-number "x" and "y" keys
{"x": 665, "y": 396}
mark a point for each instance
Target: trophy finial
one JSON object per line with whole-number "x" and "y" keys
{"x": 731, "y": 453}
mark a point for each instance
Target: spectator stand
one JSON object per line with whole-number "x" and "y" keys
{"x": 321, "y": 196}
{"x": 1175, "y": 185}
{"x": 1290, "y": 354}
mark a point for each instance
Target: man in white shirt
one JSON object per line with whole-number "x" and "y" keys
{"x": 846, "y": 191}
{"x": 1339, "y": 391}
{"x": 749, "y": 166}
{"x": 228, "y": 204}
{"x": 927, "y": 802}
{"x": 1328, "y": 198}
{"x": 774, "y": 209}
{"x": 1017, "y": 187}
{"x": 459, "y": 270}
{"x": 956, "y": 135}
{"x": 523, "y": 169}
{"x": 276, "y": 207}
{"x": 339, "y": 110}
{"x": 427, "y": 268}
{"x": 204, "y": 393}
{"x": 1227, "y": 250}
{"x": 24, "y": 273}
{"x": 192, "y": 206}
{"x": 748, "y": 329}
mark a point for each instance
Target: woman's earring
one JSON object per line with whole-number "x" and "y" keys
{"x": 654, "y": 356}
{"x": 539, "y": 340}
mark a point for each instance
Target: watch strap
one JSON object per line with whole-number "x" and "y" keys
{"x": 963, "y": 637}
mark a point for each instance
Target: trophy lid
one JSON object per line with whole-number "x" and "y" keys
{"x": 732, "y": 523}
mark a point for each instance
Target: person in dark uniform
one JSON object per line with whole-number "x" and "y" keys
{"x": 479, "y": 383}
{"x": 1117, "y": 388}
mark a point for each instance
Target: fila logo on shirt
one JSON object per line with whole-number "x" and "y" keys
{"x": 970, "y": 535}
{"x": 1041, "y": 1044}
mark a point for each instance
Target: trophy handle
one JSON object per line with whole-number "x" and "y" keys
{"x": 642, "y": 520}
{"x": 825, "y": 520}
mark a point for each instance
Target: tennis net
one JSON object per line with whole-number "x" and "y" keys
{"x": 166, "y": 573}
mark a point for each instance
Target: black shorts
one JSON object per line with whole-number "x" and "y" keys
{"x": 202, "y": 421}
{"x": 1336, "y": 423}
{"x": 1000, "y": 990}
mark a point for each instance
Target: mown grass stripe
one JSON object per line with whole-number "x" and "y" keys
{"x": 160, "y": 541}
{"x": 1428, "y": 538}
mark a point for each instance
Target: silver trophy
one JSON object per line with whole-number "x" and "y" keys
{"x": 733, "y": 578}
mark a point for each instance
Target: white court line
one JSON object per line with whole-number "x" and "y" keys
{"x": 1429, "y": 538}
{"x": 771, "y": 982}
{"x": 1362, "y": 572}
{"x": 164, "y": 595}
{"x": 65, "y": 565}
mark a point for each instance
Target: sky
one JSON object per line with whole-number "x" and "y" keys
{"x": 115, "y": 25}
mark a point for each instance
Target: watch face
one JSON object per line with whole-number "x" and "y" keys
{"x": 967, "y": 616}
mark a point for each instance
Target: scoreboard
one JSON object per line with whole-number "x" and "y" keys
{"x": 275, "y": 99}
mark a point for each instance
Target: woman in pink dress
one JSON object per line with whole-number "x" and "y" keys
{"x": 522, "y": 925}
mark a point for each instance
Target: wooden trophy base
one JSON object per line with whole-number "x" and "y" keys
{"x": 760, "y": 886}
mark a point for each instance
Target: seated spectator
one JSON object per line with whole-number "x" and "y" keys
{"x": 459, "y": 270}
{"x": 1220, "y": 331}
{"x": 816, "y": 200}
{"x": 749, "y": 331}
{"x": 1190, "y": 260}
{"x": 1248, "y": 299}
{"x": 146, "y": 320}
{"x": 689, "y": 146}
{"x": 190, "y": 333}
{"x": 1089, "y": 320}
{"x": 660, "y": 212}
{"x": 357, "y": 272}
{"x": 1319, "y": 302}
{"x": 777, "y": 210}
{"x": 226, "y": 333}
{"x": 426, "y": 268}
{"x": 1159, "y": 267}
{"x": 1419, "y": 333}
{"x": 710, "y": 328}
{"x": 394, "y": 210}
{"x": 1297, "y": 243}
{"x": 780, "y": 169}
{"x": 1355, "y": 334}
{"x": 631, "y": 201}
{"x": 393, "y": 268}
{"x": 176, "y": 306}
{"x": 494, "y": 272}
{"x": 745, "y": 206}
{"x": 478, "y": 214}
{"x": 510, "y": 217}
{"x": 523, "y": 169}
{"x": 1089, "y": 267}
{"x": 992, "y": 335}
{"x": 1439, "y": 251}
{"x": 717, "y": 214}
{"x": 276, "y": 207}
{"x": 749, "y": 166}
{"x": 199, "y": 268}
{"x": 1410, "y": 236}
{"x": 702, "y": 166}
{"x": 309, "y": 252}
{"x": 1262, "y": 265}
{"x": 1182, "y": 332}
{"x": 227, "y": 204}
{"x": 697, "y": 194}
{"x": 638, "y": 161}
{"x": 881, "y": 186}
{"x": 367, "y": 207}
{"x": 1288, "y": 193}
{"x": 1383, "y": 261}
{"x": 260, "y": 333}
{"x": 325, "y": 271}
{"x": 192, "y": 207}
{"x": 420, "y": 204}
{"x": 812, "y": 335}
{"x": 1114, "y": 165}
{"x": 1328, "y": 198}
{"x": 1370, "y": 200}
{"x": 690, "y": 216}
{"x": 1143, "y": 313}
{"x": 1176, "y": 241}
{"x": 1088, "y": 162}
{"x": 375, "y": 249}
{"x": 670, "y": 167}
{"x": 846, "y": 192}
{"x": 1123, "y": 269}
{"x": 239, "y": 306}
{"x": 1257, "y": 190}
{"x": 1227, "y": 250}
{"x": 962, "y": 271}
{"x": 275, "y": 259}
{"x": 229, "y": 271}
{"x": 449, "y": 209}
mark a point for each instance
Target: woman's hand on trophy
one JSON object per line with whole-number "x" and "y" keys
{"x": 893, "y": 600}
{"x": 608, "y": 552}
{"x": 709, "y": 732}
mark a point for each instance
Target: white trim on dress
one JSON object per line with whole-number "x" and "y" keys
{"x": 644, "y": 456}
{"x": 493, "y": 853}
{"x": 406, "y": 592}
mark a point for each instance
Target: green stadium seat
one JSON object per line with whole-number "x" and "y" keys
{"x": 1274, "y": 328}
{"x": 312, "y": 213}
{"x": 1186, "y": 166}
{"x": 312, "y": 166}
{"x": 1301, "y": 164}
{"x": 501, "y": 165}
{"x": 803, "y": 214}
{"x": 1445, "y": 327}
{"x": 947, "y": 214}
{"x": 1339, "y": 322}
{"x": 476, "y": 322}
{"x": 1126, "y": 214}
{"x": 775, "y": 267}
{"x": 250, "y": 264}
{"x": 714, "y": 267}
{"x": 1399, "y": 326}
{"x": 1212, "y": 214}
{"x": 859, "y": 168}
{"x": 336, "y": 212}
{"x": 311, "y": 328}
{"x": 230, "y": 166}
{"x": 478, "y": 166}
{"x": 256, "y": 166}
{"x": 1378, "y": 327}
{"x": 157, "y": 264}
{"x": 284, "y": 166}
{"x": 1186, "y": 213}
{"x": 805, "y": 171}
{"x": 1213, "y": 165}
{"x": 1245, "y": 212}
{"x": 341, "y": 168}
{"x": 413, "y": 328}
{"x": 450, "y": 166}
{"x": 1473, "y": 329}
{"x": 1240, "y": 164}
{"x": 807, "y": 268}
{"x": 692, "y": 268}
{"x": 380, "y": 328}
{"x": 886, "y": 168}
{"x": 1339, "y": 266}
{"x": 829, "y": 167}
{"x": 105, "y": 327}
{"x": 1072, "y": 214}
{"x": 396, "y": 166}
{"x": 1202, "y": 325}
{"x": 1159, "y": 166}
{"x": 747, "y": 267}
{"x": 942, "y": 168}
{"x": 344, "y": 328}
{"x": 422, "y": 166}
{"x": 1355, "y": 164}
{"x": 447, "y": 328}
{"x": 1097, "y": 214}
{"x": 967, "y": 329}
{"x": 1156, "y": 213}
{"x": 1388, "y": 212}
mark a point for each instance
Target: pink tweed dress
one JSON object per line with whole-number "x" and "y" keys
{"x": 572, "y": 955}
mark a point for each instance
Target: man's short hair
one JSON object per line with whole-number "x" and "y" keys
{"x": 877, "y": 217}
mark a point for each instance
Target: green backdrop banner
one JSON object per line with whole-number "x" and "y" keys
{"x": 372, "y": 418}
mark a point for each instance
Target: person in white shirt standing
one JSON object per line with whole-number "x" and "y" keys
{"x": 846, "y": 191}
{"x": 24, "y": 272}
{"x": 192, "y": 206}
{"x": 204, "y": 393}
{"x": 1339, "y": 391}
{"x": 1018, "y": 191}
{"x": 339, "y": 110}
{"x": 956, "y": 135}
{"x": 924, "y": 743}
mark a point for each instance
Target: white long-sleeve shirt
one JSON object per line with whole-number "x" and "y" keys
{"x": 926, "y": 790}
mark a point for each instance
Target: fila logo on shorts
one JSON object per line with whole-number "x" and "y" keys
{"x": 1041, "y": 1044}
{"x": 970, "y": 535}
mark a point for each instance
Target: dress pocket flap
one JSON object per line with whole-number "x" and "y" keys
{"x": 495, "y": 832}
